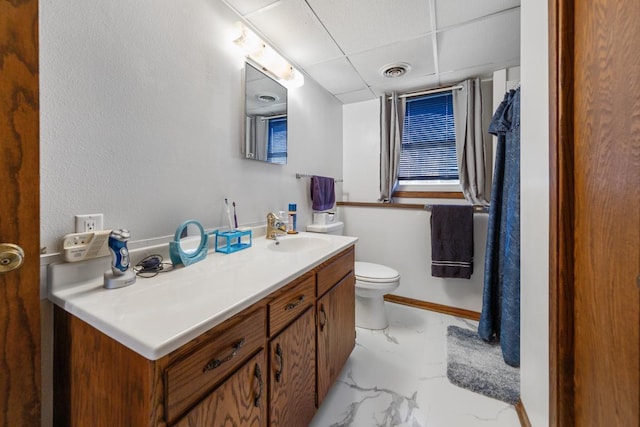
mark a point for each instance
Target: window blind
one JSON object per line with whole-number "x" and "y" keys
{"x": 429, "y": 140}
{"x": 277, "y": 146}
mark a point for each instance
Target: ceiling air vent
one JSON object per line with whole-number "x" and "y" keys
{"x": 395, "y": 70}
{"x": 267, "y": 98}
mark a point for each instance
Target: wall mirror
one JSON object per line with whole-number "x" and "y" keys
{"x": 265, "y": 114}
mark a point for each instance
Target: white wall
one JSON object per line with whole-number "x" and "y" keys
{"x": 140, "y": 119}
{"x": 399, "y": 238}
{"x": 141, "y": 113}
{"x": 534, "y": 332}
{"x": 361, "y": 151}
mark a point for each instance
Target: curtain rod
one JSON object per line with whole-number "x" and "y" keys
{"x": 279, "y": 116}
{"x": 429, "y": 91}
{"x": 305, "y": 175}
{"x": 476, "y": 208}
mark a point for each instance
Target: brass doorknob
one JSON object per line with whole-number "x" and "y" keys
{"x": 11, "y": 257}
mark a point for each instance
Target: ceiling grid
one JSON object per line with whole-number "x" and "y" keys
{"x": 344, "y": 45}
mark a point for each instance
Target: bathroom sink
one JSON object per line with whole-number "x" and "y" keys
{"x": 297, "y": 243}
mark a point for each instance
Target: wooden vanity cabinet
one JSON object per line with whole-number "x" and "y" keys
{"x": 292, "y": 353}
{"x": 100, "y": 382}
{"x": 336, "y": 332}
{"x": 270, "y": 364}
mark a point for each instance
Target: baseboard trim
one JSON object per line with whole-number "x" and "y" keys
{"x": 522, "y": 414}
{"x": 458, "y": 312}
{"x": 439, "y": 308}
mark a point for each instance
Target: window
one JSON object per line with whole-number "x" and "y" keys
{"x": 277, "y": 145}
{"x": 428, "y": 152}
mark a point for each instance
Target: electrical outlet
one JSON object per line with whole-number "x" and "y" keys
{"x": 89, "y": 223}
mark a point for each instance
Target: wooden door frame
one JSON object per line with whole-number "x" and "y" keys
{"x": 561, "y": 215}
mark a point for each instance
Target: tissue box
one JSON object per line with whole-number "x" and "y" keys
{"x": 324, "y": 217}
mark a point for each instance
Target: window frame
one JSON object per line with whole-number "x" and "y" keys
{"x": 428, "y": 188}
{"x": 274, "y": 156}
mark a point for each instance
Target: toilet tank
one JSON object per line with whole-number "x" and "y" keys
{"x": 332, "y": 228}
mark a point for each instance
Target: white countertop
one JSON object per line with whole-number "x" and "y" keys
{"x": 157, "y": 315}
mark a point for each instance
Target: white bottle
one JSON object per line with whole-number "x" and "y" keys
{"x": 284, "y": 219}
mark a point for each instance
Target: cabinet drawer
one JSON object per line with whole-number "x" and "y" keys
{"x": 239, "y": 401}
{"x": 290, "y": 304}
{"x": 334, "y": 272}
{"x": 193, "y": 376}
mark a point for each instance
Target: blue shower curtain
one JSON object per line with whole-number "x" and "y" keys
{"x": 500, "y": 317}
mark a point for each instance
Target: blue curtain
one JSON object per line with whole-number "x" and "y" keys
{"x": 500, "y": 317}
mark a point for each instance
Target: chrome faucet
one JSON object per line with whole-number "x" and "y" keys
{"x": 275, "y": 226}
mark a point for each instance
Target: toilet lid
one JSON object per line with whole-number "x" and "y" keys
{"x": 370, "y": 272}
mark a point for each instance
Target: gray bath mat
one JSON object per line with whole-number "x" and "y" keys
{"x": 478, "y": 366}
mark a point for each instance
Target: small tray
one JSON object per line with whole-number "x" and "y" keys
{"x": 233, "y": 241}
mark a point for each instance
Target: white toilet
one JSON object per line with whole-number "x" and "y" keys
{"x": 373, "y": 281}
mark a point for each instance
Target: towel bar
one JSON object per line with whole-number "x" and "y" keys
{"x": 305, "y": 175}
{"x": 476, "y": 208}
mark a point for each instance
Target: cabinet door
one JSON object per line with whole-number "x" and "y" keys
{"x": 292, "y": 376}
{"x": 197, "y": 372}
{"x": 239, "y": 401}
{"x": 336, "y": 332}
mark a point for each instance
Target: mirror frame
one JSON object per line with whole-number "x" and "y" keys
{"x": 268, "y": 87}
{"x": 179, "y": 255}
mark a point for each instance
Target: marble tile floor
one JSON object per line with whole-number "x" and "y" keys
{"x": 398, "y": 377}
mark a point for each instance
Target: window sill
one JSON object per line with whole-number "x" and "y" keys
{"x": 428, "y": 195}
{"x": 381, "y": 205}
{"x": 428, "y": 190}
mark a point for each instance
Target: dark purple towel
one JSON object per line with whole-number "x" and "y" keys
{"x": 452, "y": 241}
{"x": 323, "y": 193}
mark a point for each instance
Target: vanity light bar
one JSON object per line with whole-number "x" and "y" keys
{"x": 268, "y": 59}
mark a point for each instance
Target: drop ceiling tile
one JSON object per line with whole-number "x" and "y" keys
{"x": 409, "y": 85}
{"x": 483, "y": 71}
{"x": 356, "y": 96}
{"x": 245, "y": 7}
{"x": 418, "y": 53}
{"x": 337, "y": 76}
{"x": 292, "y": 28}
{"x": 488, "y": 41}
{"x": 452, "y": 12}
{"x": 358, "y": 25}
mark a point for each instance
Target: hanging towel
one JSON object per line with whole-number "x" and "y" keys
{"x": 452, "y": 241}
{"x": 323, "y": 193}
{"x": 500, "y": 316}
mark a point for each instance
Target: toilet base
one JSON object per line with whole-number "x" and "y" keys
{"x": 370, "y": 312}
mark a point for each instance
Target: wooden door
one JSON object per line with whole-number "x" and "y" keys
{"x": 336, "y": 332}
{"x": 595, "y": 217}
{"x": 19, "y": 214}
{"x": 292, "y": 376}
{"x": 239, "y": 401}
